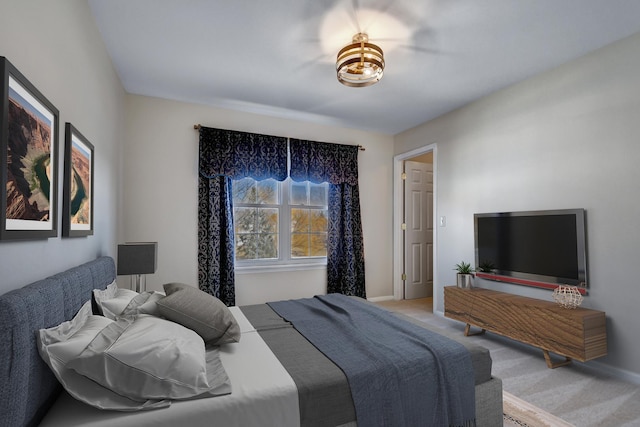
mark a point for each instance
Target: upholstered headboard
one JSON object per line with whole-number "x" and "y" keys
{"x": 27, "y": 386}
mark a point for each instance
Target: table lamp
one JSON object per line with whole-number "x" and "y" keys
{"x": 137, "y": 259}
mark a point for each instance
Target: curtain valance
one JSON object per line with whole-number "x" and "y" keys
{"x": 237, "y": 155}
{"x": 320, "y": 161}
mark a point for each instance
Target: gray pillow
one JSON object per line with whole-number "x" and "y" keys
{"x": 200, "y": 312}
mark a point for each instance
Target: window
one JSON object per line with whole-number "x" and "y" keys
{"x": 279, "y": 223}
{"x": 308, "y": 213}
{"x": 256, "y": 220}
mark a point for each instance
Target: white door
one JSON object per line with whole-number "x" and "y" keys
{"x": 418, "y": 219}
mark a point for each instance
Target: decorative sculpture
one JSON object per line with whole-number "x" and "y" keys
{"x": 567, "y": 296}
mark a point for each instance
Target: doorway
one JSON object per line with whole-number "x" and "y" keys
{"x": 414, "y": 224}
{"x": 418, "y": 227}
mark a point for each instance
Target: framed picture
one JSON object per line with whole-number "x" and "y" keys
{"x": 28, "y": 159}
{"x": 77, "y": 209}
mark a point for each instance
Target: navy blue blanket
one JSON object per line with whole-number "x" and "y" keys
{"x": 399, "y": 374}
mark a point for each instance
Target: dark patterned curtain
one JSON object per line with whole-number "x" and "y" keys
{"x": 227, "y": 155}
{"x": 215, "y": 238}
{"x": 337, "y": 164}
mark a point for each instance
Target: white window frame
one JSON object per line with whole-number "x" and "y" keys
{"x": 284, "y": 262}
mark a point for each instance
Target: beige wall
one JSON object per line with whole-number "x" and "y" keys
{"x": 56, "y": 45}
{"x": 161, "y": 194}
{"x": 568, "y": 138}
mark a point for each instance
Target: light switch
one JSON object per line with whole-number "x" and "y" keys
{"x": 443, "y": 221}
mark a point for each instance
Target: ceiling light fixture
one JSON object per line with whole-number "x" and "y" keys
{"x": 360, "y": 63}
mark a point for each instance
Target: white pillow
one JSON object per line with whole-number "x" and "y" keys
{"x": 144, "y": 303}
{"x": 61, "y": 344}
{"x": 113, "y": 300}
{"x": 147, "y": 357}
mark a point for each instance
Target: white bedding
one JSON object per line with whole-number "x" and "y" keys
{"x": 263, "y": 394}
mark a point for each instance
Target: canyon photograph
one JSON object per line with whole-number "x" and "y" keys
{"x": 80, "y": 184}
{"x": 29, "y": 161}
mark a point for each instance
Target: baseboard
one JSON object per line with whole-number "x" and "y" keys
{"x": 621, "y": 374}
{"x": 378, "y": 299}
{"x": 593, "y": 365}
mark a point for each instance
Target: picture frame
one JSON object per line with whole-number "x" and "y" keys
{"x": 28, "y": 159}
{"x": 77, "y": 209}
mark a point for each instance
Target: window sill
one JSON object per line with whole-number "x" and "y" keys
{"x": 255, "y": 269}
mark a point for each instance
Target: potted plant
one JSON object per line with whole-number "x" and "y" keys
{"x": 465, "y": 275}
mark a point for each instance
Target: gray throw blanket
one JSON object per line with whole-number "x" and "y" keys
{"x": 400, "y": 374}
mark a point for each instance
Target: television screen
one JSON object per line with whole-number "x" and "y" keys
{"x": 535, "y": 248}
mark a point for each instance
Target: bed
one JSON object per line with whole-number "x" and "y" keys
{"x": 277, "y": 376}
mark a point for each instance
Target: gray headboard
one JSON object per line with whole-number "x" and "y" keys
{"x": 27, "y": 385}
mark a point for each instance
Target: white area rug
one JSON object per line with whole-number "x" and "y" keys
{"x": 518, "y": 413}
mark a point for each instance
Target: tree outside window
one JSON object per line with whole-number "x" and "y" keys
{"x": 279, "y": 221}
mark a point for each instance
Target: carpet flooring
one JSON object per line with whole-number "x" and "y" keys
{"x": 576, "y": 393}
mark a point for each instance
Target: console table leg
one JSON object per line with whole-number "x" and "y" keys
{"x": 468, "y": 328}
{"x": 552, "y": 365}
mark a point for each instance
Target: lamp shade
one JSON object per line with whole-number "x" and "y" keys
{"x": 137, "y": 258}
{"x": 360, "y": 63}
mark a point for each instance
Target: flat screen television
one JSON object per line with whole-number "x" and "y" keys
{"x": 535, "y": 248}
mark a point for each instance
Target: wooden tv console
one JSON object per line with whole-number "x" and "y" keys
{"x": 579, "y": 334}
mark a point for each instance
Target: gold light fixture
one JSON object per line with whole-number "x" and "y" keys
{"x": 360, "y": 63}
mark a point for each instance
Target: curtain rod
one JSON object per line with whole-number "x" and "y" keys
{"x": 360, "y": 147}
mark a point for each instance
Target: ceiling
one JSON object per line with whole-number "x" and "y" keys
{"x": 277, "y": 57}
